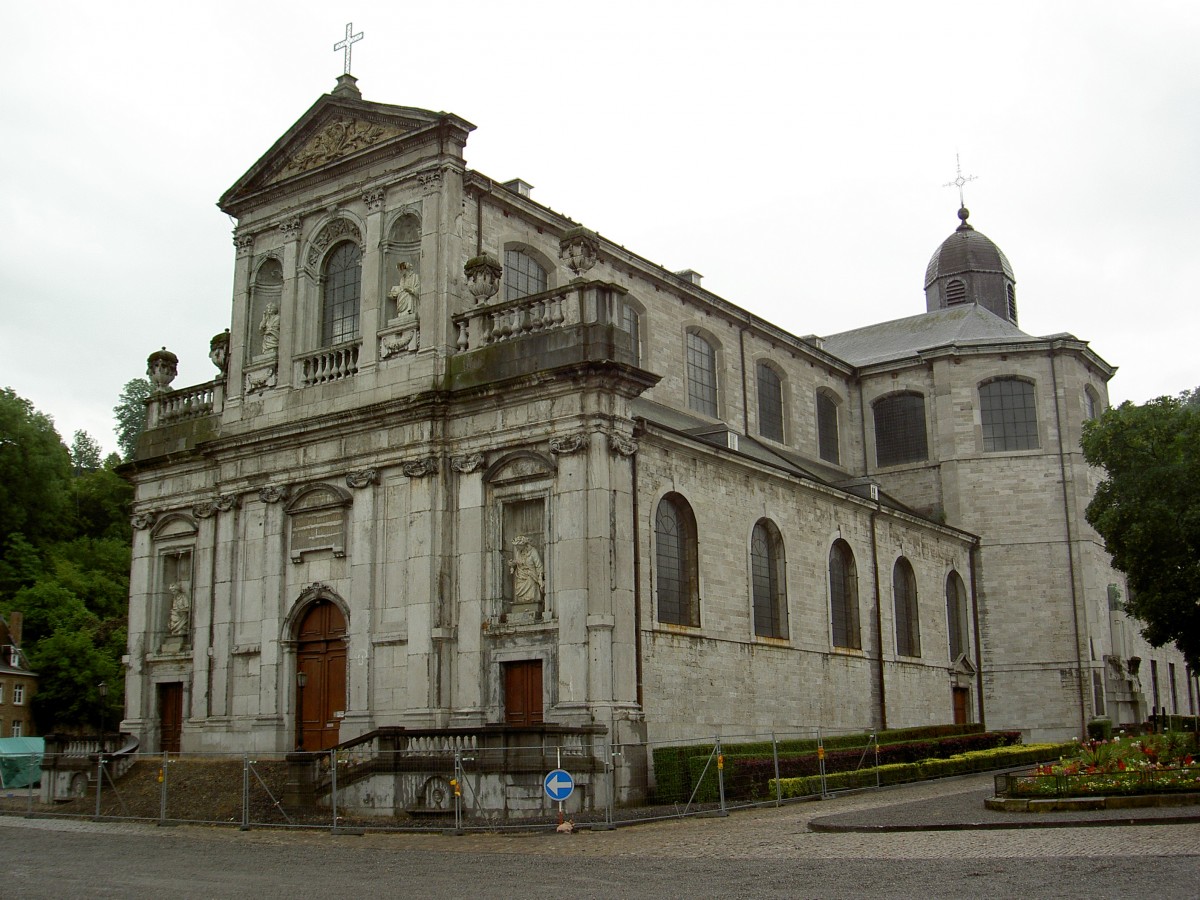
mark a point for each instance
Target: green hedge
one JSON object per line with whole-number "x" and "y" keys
{"x": 675, "y": 773}
{"x": 961, "y": 764}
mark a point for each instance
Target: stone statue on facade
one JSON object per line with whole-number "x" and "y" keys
{"x": 181, "y": 610}
{"x": 269, "y": 329}
{"x": 406, "y": 292}
{"x": 529, "y": 579}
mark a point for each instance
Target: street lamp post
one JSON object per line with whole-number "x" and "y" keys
{"x": 103, "y": 688}
{"x": 301, "y": 681}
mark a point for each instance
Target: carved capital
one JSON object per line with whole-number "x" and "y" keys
{"x": 290, "y": 229}
{"x": 374, "y": 199}
{"x": 467, "y": 463}
{"x": 204, "y": 509}
{"x": 621, "y": 445}
{"x": 562, "y": 446}
{"x": 420, "y": 468}
{"x": 365, "y": 478}
{"x": 430, "y": 181}
{"x": 142, "y": 521}
{"x": 226, "y": 502}
{"x": 244, "y": 243}
{"x": 273, "y": 493}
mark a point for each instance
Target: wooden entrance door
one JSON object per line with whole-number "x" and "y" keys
{"x": 321, "y": 658}
{"x": 523, "y": 692}
{"x": 170, "y": 716}
{"x": 962, "y": 705}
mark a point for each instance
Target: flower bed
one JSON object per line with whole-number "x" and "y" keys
{"x": 1153, "y": 764}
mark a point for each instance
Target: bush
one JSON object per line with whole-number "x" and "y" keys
{"x": 1100, "y": 729}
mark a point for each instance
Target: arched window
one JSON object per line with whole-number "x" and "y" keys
{"x": 767, "y": 581}
{"x": 523, "y": 275}
{"x": 341, "y": 292}
{"x": 956, "y": 615}
{"x": 843, "y": 596}
{"x": 1008, "y": 414}
{"x": 827, "y": 428}
{"x": 956, "y": 292}
{"x": 701, "y": 375}
{"x": 904, "y": 591}
{"x": 900, "y": 429}
{"x": 1091, "y": 403}
{"x": 675, "y": 556}
{"x": 770, "y": 403}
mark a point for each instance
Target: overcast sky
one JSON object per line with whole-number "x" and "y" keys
{"x": 793, "y": 153}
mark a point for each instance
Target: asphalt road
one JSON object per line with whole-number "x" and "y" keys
{"x": 761, "y": 853}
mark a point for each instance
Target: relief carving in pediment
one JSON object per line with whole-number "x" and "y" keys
{"x": 337, "y": 138}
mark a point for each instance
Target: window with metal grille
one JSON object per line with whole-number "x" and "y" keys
{"x": 770, "y": 403}
{"x": 523, "y": 275}
{"x": 675, "y": 556}
{"x": 956, "y": 292}
{"x": 908, "y": 625}
{"x": 843, "y": 597}
{"x": 900, "y": 429}
{"x": 1009, "y": 415}
{"x": 956, "y": 615}
{"x": 701, "y": 375}
{"x": 342, "y": 284}
{"x": 766, "y": 576}
{"x": 827, "y": 429}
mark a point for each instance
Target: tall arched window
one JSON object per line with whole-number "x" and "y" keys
{"x": 675, "y": 555}
{"x": 1008, "y": 414}
{"x": 904, "y": 591}
{"x": 341, "y": 291}
{"x": 770, "y": 403}
{"x": 701, "y": 375}
{"x": 767, "y": 581}
{"x": 900, "y": 429}
{"x": 631, "y": 323}
{"x": 956, "y": 615}
{"x": 1091, "y": 403}
{"x": 523, "y": 275}
{"x": 827, "y": 428}
{"x": 843, "y": 596}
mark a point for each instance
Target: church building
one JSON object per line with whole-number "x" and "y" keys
{"x": 469, "y": 466}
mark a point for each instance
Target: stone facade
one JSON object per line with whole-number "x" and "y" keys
{"x": 447, "y": 419}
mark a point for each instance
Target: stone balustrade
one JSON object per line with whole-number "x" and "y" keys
{"x": 328, "y": 364}
{"x": 581, "y": 302}
{"x": 185, "y": 403}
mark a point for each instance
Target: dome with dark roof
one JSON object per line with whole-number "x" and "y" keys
{"x": 967, "y": 250}
{"x": 969, "y": 268}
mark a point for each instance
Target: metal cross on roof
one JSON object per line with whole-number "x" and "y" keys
{"x": 347, "y": 42}
{"x": 959, "y": 181}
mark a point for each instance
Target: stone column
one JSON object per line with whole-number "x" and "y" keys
{"x": 466, "y": 700}
{"x": 139, "y": 701}
{"x": 570, "y": 575}
{"x": 291, "y": 304}
{"x": 220, "y": 642}
{"x": 419, "y": 690}
{"x": 273, "y": 655}
{"x": 363, "y": 554}
{"x": 371, "y": 308}
{"x": 239, "y": 326}
{"x": 203, "y": 601}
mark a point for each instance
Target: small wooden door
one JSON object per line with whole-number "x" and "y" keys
{"x": 170, "y": 715}
{"x": 962, "y": 705}
{"x": 321, "y": 657}
{"x": 523, "y": 692}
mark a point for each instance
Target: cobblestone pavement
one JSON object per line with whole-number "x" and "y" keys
{"x": 764, "y": 853}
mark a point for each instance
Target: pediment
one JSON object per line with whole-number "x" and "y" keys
{"x": 337, "y": 131}
{"x": 962, "y": 666}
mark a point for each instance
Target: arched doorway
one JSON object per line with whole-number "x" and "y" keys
{"x": 321, "y": 676}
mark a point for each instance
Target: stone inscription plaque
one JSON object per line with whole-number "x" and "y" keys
{"x": 318, "y": 529}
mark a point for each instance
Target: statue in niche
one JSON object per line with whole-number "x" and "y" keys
{"x": 528, "y": 576}
{"x": 406, "y": 292}
{"x": 269, "y": 329}
{"x": 181, "y": 609}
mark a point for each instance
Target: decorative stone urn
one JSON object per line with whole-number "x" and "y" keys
{"x": 218, "y": 351}
{"x": 483, "y": 277}
{"x": 579, "y": 249}
{"x": 162, "y": 366}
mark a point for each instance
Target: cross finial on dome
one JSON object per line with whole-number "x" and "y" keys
{"x": 958, "y": 182}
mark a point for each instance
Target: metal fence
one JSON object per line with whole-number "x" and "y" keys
{"x": 449, "y": 789}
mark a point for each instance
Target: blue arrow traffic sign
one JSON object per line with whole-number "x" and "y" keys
{"x": 558, "y": 785}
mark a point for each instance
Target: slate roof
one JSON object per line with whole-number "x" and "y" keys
{"x": 964, "y": 325}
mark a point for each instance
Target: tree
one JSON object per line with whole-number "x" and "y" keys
{"x": 1147, "y": 510}
{"x": 35, "y": 470}
{"x": 85, "y": 452}
{"x": 131, "y": 414}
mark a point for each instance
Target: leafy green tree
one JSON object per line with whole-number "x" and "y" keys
{"x": 1147, "y": 510}
{"x": 131, "y": 414}
{"x": 85, "y": 452}
{"x": 35, "y": 469}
